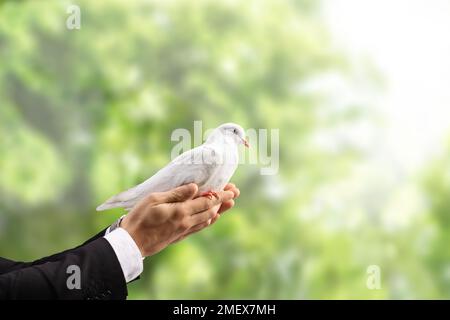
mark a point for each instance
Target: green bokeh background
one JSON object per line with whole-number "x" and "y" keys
{"x": 87, "y": 113}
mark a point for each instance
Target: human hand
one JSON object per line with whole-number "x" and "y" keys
{"x": 163, "y": 217}
{"x": 226, "y": 205}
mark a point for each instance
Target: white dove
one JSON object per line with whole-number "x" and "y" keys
{"x": 210, "y": 166}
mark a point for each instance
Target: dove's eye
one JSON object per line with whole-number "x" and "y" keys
{"x": 235, "y": 131}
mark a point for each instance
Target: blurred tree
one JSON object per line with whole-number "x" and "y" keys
{"x": 437, "y": 187}
{"x": 87, "y": 113}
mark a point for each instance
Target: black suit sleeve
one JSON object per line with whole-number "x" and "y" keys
{"x": 7, "y": 265}
{"x": 101, "y": 276}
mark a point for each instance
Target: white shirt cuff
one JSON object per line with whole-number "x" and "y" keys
{"x": 127, "y": 253}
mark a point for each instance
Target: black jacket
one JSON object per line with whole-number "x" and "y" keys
{"x": 47, "y": 278}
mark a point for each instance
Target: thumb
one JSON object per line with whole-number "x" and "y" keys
{"x": 179, "y": 194}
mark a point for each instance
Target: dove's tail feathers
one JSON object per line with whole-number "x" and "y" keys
{"x": 127, "y": 205}
{"x": 114, "y": 203}
{"x": 126, "y": 199}
{"x": 109, "y": 204}
{"x": 106, "y": 206}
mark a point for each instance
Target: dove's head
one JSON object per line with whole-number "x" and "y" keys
{"x": 233, "y": 132}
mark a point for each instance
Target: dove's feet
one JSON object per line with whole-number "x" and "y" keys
{"x": 209, "y": 194}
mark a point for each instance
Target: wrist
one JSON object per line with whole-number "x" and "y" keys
{"x": 132, "y": 230}
{"x": 115, "y": 225}
{"x": 127, "y": 252}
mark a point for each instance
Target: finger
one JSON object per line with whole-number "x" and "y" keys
{"x": 215, "y": 218}
{"x": 232, "y": 187}
{"x": 229, "y": 186}
{"x": 178, "y": 239}
{"x": 227, "y": 205}
{"x": 204, "y": 203}
{"x": 180, "y": 194}
{"x": 197, "y": 228}
{"x": 203, "y": 216}
{"x": 192, "y": 230}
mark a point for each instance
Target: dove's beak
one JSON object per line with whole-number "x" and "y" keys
{"x": 246, "y": 143}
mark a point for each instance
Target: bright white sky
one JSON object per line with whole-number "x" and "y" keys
{"x": 409, "y": 42}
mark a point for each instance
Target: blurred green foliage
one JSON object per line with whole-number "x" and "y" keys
{"x": 87, "y": 113}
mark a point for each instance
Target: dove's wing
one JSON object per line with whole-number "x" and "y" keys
{"x": 195, "y": 165}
